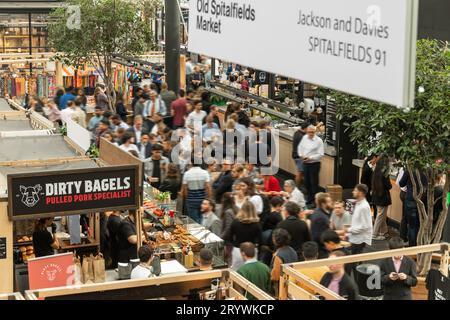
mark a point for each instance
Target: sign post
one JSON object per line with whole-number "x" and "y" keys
{"x": 362, "y": 47}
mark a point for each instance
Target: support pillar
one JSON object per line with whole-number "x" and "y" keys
{"x": 172, "y": 48}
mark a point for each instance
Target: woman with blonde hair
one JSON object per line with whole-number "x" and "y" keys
{"x": 244, "y": 228}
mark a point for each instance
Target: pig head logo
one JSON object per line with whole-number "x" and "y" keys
{"x": 30, "y": 195}
{"x": 51, "y": 274}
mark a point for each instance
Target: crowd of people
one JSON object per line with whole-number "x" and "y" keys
{"x": 264, "y": 221}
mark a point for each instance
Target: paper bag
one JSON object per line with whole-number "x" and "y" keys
{"x": 99, "y": 269}
{"x": 78, "y": 274}
{"x": 88, "y": 269}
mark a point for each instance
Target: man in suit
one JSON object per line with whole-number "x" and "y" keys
{"x": 138, "y": 129}
{"x": 145, "y": 147}
{"x": 398, "y": 274}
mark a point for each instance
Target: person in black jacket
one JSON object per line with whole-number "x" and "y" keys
{"x": 137, "y": 95}
{"x": 269, "y": 221}
{"x": 298, "y": 135}
{"x": 206, "y": 101}
{"x": 411, "y": 211}
{"x": 112, "y": 226}
{"x": 366, "y": 178}
{"x": 398, "y": 274}
{"x": 172, "y": 182}
{"x": 338, "y": 281}
{"x": 381, "y": 197}
{"x": 332, "y": 243}
{"x": 120, "y": 108}
{"x": 298, "y": 229}
{"x": 224, "y": 182}
{"x": 145, "y": 147}
{"x": 320, "y": 220}
{"x": 244, "y": 228}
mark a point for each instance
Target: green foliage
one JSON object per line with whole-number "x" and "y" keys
{"x": 93, "y": 152}
{"x": 63, "y": 130}
{"x": 107, "y": 27}
{"x": 419, "y": 136}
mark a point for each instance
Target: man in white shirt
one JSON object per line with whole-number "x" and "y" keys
{"x": 311, "y": 151}
{"x": 195, "y": 118}
{"x": 360, "y": 232}
{"x": 144, "y": 269}
{"x": 292, "y": 193}
{"x": 68, "y": 111}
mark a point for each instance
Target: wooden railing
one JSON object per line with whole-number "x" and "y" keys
{"x": 292, "y": 273}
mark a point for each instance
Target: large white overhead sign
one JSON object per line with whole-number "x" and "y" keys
{"x": 363, "y": 47}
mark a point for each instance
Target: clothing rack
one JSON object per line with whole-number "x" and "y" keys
{"x": 36, "y": 85}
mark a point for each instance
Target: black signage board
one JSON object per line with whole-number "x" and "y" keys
{"x": 261, "y": 77}
{"x": 55, "y": 193}
{"x": 3, "y": 248}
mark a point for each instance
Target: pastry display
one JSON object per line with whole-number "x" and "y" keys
{"x": 27, "y": 252}
{"x": 24, "y": 239}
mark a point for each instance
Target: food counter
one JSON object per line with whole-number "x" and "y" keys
{"x": 326, "y": 176}
{"x": 287, "y": 164}
{"x": 205, "y": 285}
{"x": 175, "y": 234}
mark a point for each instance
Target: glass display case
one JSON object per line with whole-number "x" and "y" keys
{"x": 172, "y": 235}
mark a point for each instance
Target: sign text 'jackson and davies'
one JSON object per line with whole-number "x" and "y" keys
{"x": 356, "y": 46}
{"x": 85, "y": 189}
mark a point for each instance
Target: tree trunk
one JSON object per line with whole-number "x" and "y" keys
{"x": 423, "y": 263}
{"x": 110, "y": 92}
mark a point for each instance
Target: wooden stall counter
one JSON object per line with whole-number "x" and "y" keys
{"x": 186, "y": 286}
{"x": 12, "y": 296}
{"x": 292, "y": 273}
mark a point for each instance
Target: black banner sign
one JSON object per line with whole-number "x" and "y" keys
{"x": 44, "y": 194}
{"x": 3, "y": 248}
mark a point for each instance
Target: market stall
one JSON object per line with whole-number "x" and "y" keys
{"x": 176, "y": 234}
{"x": 20, "y": 123}
{"x": 173, "y": 232}
{"x": 4, "y": 106}
{"x": 293, "y": 282}
{"x": 196, "y": 285}
{"x": 35, "y": 166}
{"x": 284, "y": 118}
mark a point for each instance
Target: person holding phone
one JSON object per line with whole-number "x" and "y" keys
{"x": 398, "y": 274}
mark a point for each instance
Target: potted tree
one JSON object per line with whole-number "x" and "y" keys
{"x": 418, "y": 137}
